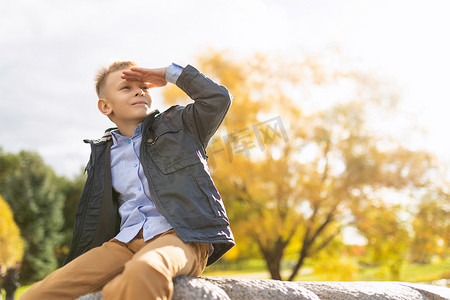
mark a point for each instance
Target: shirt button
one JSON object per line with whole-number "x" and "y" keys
{"x": 146, "y": 227}
{"x": 139, "y": 188}
{"x": 129, "y": 141}
{"x": 135, "y": 165}
{"x": 142, "y": 218}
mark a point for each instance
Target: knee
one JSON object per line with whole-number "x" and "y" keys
{"x": 139, "y": 281}
{"x": 138, "y": 271}
{"x": 150, "y": 279}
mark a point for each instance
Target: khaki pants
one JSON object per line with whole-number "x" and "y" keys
{"x": 134, "y": 270}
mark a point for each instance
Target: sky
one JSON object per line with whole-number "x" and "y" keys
{"x": 50, "y": 51}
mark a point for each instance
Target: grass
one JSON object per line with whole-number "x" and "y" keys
{"x": 410, "y": 272}
{"x": 427, "y": 272}
{"x": 235, "y": 268}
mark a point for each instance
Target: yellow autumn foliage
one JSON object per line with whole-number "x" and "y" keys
{"x": 11, "y": 243}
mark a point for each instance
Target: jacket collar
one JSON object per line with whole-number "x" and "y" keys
{"x": 107, "y": 135}
{"x": 148, "y": 122}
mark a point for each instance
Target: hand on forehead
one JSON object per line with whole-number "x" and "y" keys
{"x": 154, "y": 77}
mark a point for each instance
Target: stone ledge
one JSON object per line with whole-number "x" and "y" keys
{"x": 223, "y": 288}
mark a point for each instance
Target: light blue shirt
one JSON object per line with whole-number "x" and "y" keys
{"x": 136, "y": 209}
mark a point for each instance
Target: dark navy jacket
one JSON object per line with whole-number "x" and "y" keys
{"x": 173, "y": 157}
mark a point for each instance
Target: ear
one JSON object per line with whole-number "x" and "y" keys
{"x": 104, "y": 107}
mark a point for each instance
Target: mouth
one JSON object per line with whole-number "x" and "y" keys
{"x": 140, "y": 103}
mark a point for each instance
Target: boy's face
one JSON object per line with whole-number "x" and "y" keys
{"x": 125, "y": 101}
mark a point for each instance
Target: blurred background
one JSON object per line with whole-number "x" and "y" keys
{"x": 333, "y": 157}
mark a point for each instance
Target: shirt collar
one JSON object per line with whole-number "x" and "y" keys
{"x": 117, "y": 137}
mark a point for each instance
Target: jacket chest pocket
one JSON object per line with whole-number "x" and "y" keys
{"x": 173, "y": 150}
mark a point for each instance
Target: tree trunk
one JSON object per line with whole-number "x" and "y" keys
{"x": 274, "y": 269}
{"x": 273, "y": 257}
{"x": 301, "y": 260}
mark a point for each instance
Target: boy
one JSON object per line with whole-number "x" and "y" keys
{"x": 149, "y": 209}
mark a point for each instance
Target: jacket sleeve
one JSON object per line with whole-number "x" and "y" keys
{"x": 211, "y": 103}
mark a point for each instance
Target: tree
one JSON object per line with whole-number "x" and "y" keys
{"x": 71, "y": 191}
{"x": 31, "y": 191}
{"x": 431, "y": 227}
{"x": 335, "y": 263}
{"x": 11, "y": 243}
{"x": 291, "y": 174}
{"x": 387, "y": 236}
{"x": 8, "y": 163}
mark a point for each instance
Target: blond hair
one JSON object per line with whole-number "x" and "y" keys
{"x": 103, "y": 73}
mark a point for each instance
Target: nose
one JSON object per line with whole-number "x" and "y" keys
{"x": 140, "y": 92}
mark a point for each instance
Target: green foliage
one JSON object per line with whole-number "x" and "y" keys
{"x": 71, "y": 191}
{"x": 31, "y": 189}
{"x": 8, "y": 163}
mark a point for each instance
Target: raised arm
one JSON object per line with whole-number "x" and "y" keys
{"x": 211, "y": 100}
{"x": 211, "y": 103}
